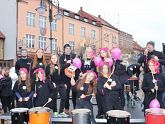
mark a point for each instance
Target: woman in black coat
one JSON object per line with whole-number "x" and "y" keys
{"x": 153, "y": 84}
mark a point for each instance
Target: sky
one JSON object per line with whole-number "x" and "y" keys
{"x": 144, "y": 19}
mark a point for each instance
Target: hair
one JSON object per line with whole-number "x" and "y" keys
{"x": 43, "y": 74}
{"x": 35, "y": 60}
{"x": 101, "y": 70}
{"x": 92, "y": 85}
{"x": 27, "y": 82}
{"x": 52, "y": 65}
{"x": 92, "y": 52}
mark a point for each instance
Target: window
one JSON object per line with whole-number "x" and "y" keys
{"x": 106, "y": 37}
{"x": 42, "y": 42}
{"x": 71, "y": 43}
{"x": 71, "y": 28}
{"x": 29, "y": 41}
{"x": 30, "y": 19}
{"x": 93, "y": 34}
{"x": 54, "y": 44}
{"x": 77, "y": 17}
{"x": 113, "y": 38}
{"x": 82, "y": 31}
{"x": 94, "y": 22}
{"x": 54, "y": 25}
{"x": 66, "y": 13}
{"x": 42, "y": 21}
{"x": 85, "y": 20}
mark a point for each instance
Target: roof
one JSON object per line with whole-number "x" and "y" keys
{"x": 2, "y": 36}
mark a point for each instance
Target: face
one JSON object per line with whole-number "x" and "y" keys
{"x": 151, "y": 67}
{"x": 39, "y": 75}
{"x": 6, "y": 72}
{"x": 103, "y": 54}
{"x": 24, "y": 53}
{"x": 88, "y": 53}
{"x": 22, "y": 75}
{"x": 54, "y": 59}
{"x": 67, "y": 50}
{"x": 105, "y": 69}
{"x": 89, "y": 77}
{"x": 150, "y": 47}
{"x": 39, "y": 53}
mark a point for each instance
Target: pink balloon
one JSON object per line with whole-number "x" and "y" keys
{"x": 109, "y": 61}
{"x": 97, "y": 61}
{"x": 77, "y": 62}
{"x": 116, "y": 53}
{"x": 101, "y": 63}
{"x": 154, "y": 104}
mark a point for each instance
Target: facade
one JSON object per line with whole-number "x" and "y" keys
{"x": 125, "y": 42}
{"x": 137, "y": 48}
{"x": 8, "y": 26}
{"x": 77, "y": 29}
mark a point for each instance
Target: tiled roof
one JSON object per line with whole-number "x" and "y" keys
{"x": 1, "y": 35}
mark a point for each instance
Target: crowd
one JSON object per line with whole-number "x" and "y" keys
{"x": 104, "y": 76}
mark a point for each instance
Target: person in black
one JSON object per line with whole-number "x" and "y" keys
{"x": 22, "y": 89}
{"x": 87, "y": 61}
{"x": 53, "y": 73}
{"x": 153, "y": 84}
{"x": 149, "y": 53}
{"x": 23, "y": 62}
{"x": 109, "y": 86}
{"x": 5, "y": 90}
{"x": 39, "y": 61}
{"x": 85, "y": 87}
{"x": 42, "y": 90}
{"x": 65, "y": 61}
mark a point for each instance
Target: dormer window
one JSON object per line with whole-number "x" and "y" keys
{"x": 94, "y": 22}
{"x": 85, "y": 20}
{"x": 77, "y": 17}
{"x": 66, "y": 13}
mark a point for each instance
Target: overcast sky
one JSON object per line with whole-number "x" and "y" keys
{"x": 144, "y": 19}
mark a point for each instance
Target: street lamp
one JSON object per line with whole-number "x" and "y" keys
{"x": 41, "y": 10}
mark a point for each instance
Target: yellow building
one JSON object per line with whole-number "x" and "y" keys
{"x": 77, "y": 29}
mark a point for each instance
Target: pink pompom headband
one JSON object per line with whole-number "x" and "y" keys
{"x": 105, "y": 49}
{"x": 42, "y": 72}
{"x": 24, "y": 70}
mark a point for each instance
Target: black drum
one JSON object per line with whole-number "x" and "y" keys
{"x": 118, "y": 117}
{"x": 19, "y": 116}
{"x": 81, "y": 116}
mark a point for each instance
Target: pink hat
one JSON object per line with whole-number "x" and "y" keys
{"x": 24, "y": 70}
{"x": 105, "y": 49}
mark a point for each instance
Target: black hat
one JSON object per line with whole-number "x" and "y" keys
{"x": 66, "y": 45}
{"x": 151, "y": 43}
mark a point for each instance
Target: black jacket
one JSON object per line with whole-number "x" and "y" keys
{"x": 26, "y": 63}
{"x": 143, "y": 60}
{"x": 88, "y": 65}
{"x": 6, "y": 84}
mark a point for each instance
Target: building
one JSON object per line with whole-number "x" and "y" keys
{"x": 78, "y": 29}
{"x": 125, "y": 42}
{"x": 8, "y": 26}
{"x": 137, "y": 49}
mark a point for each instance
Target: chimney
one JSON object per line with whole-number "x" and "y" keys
{"x": 99, "y": 16}
{"x": 81, "y": 8}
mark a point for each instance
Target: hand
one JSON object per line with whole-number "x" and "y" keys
{"x": 35, "y": 95}
{"x": 146, "y": 52}
{"x": 26, "y": 98}
{"x": 69, "y": 61}
{"x": 106, "y": 85}
{"x": 156, "y": 58}
{"x": 65, "y": 86}
{"x": 156, "y": 88}
{"x": 82, "y": 96}
{"x": 20, "y": 99}
{"x": 152, "y": 90}
{"x": 113, "y": 84}
{"x": 72, "y": 81}
{"x": 49, "y": 99}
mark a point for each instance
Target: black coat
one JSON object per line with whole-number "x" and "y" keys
{"x": 143, "y": 60}
{"x": 5, "y": 86}
{"x": 148, "y": 84}
{"x": 88, "y": 65}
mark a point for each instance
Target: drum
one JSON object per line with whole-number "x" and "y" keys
{"x": 19, "y": 116}
{"x": 155, "y": 116}
{"x": 118, "y": 117}
{"x": 39, "y": 115}
{"x": 81, "y": 116}
{"x": 70, "y": 71}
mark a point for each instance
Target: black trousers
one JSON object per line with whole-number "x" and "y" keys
{"x": 74, "y": 95}
{"x": 25, "y": 104}
{"x": 100, "y": 103}
{"x": 60, "y": 88}
{"x": 6, "y": 103}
